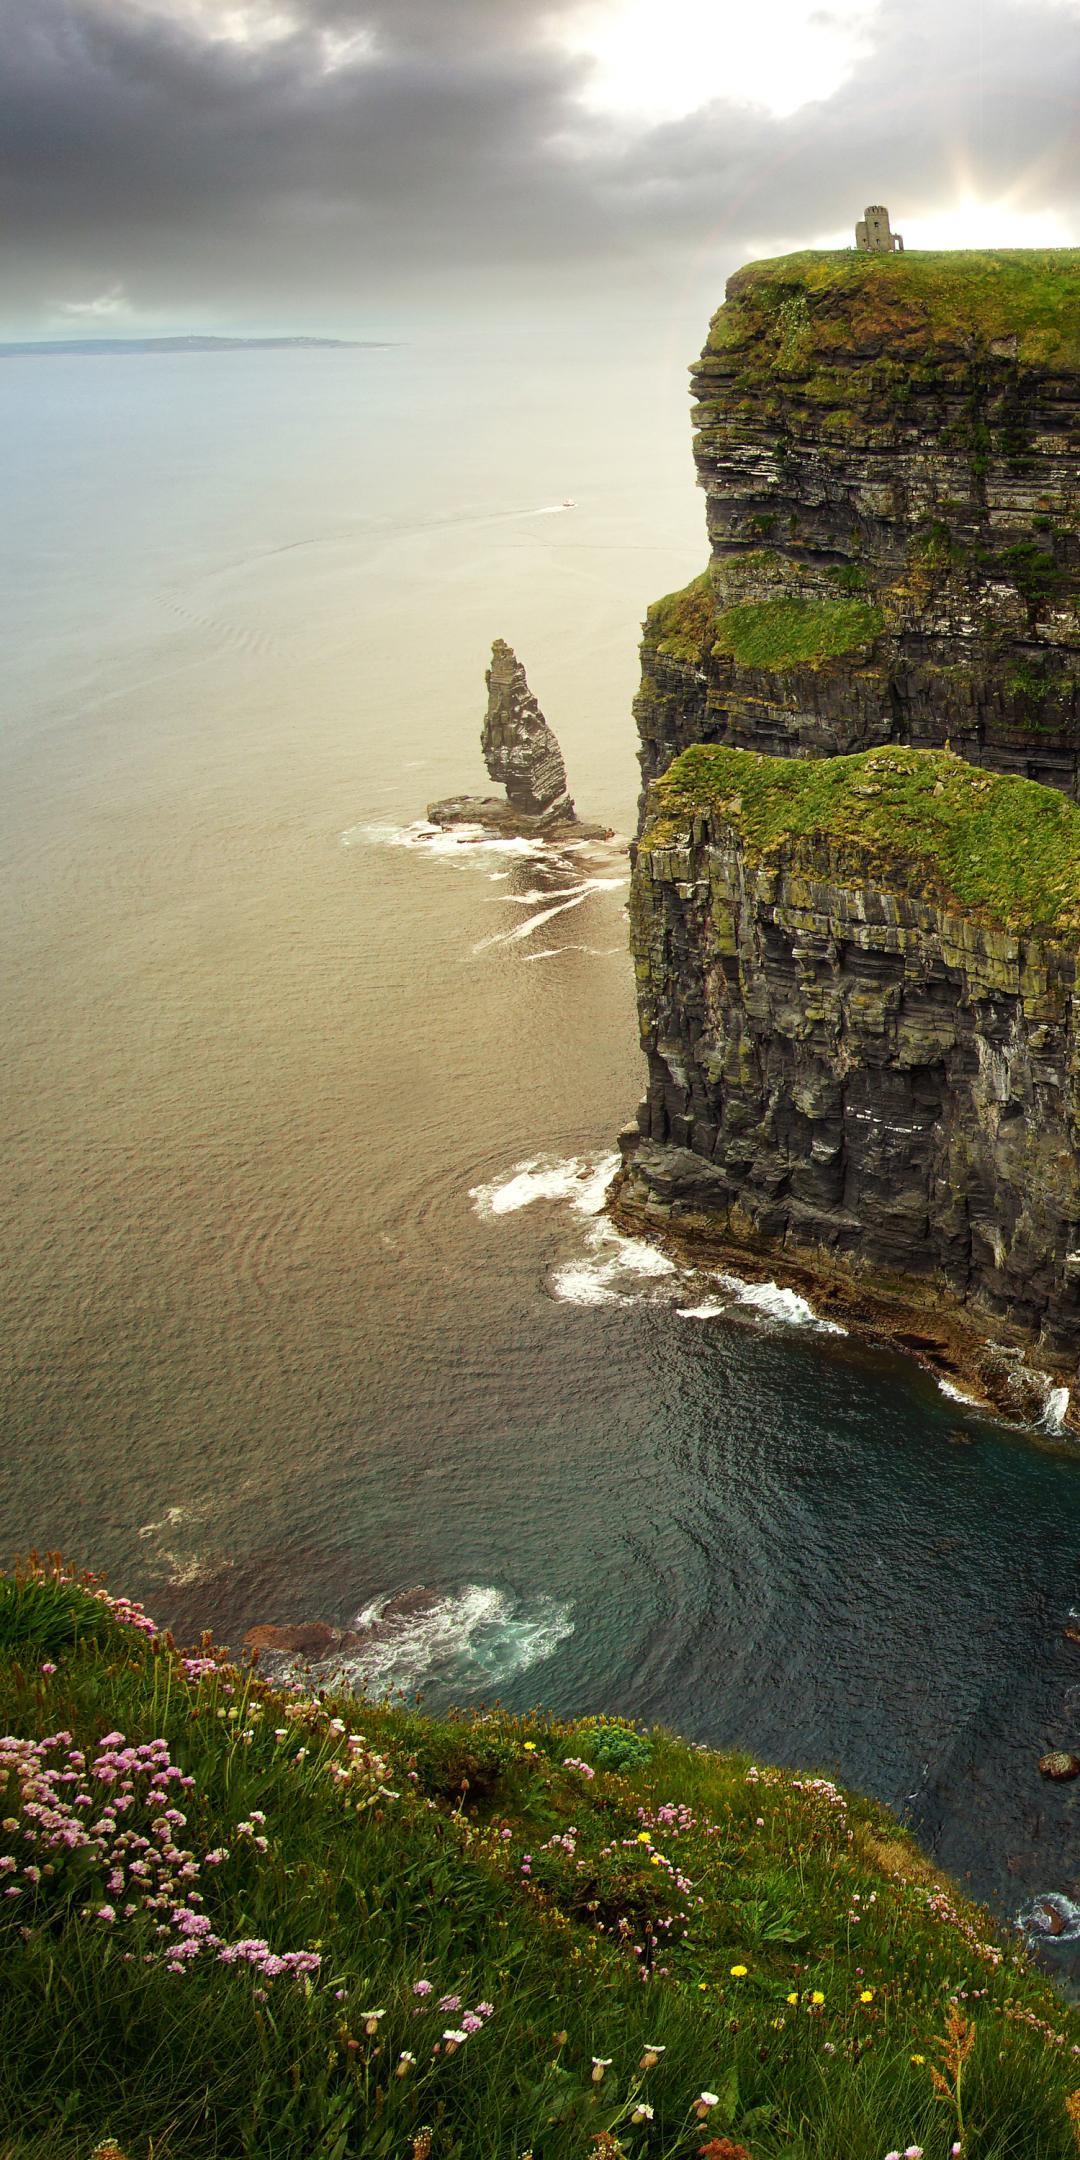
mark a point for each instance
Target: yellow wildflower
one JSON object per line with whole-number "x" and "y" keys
{"x": 793, "y": 1998}
{"x": 867, "y": 1995}
{"x": 918, "y": 2058}
{"x": 817, "y": 1998}
{"x": 530, "y": 1747}
{"x": 738, "y": 1972}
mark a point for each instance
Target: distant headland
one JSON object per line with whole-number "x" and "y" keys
{"x": 34, "y": 347}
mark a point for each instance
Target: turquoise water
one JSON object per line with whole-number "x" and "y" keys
{"x": 305, "y": 1119}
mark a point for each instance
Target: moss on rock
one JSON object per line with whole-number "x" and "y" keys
{"x": 798, "y": 310}
{"x": 999, "y": 847}
{"x": 788, "y": 633}
{"x": 679, "y": 624}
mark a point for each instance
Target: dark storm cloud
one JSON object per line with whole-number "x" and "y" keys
{"x": 141, "y": 154}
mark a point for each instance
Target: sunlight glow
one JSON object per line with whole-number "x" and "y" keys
{"x": 662, "y": 59}
{"x": 970, "y": 223}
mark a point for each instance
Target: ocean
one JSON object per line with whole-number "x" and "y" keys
{"x": 307, "y": 1114}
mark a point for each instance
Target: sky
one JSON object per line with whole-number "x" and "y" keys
{"x": 362, "y": 167}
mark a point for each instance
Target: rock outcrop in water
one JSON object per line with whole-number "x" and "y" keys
{"x": 888, "y": 446}
{"x": 522, "y": 752}
{"x": 856, "y": 973}
{"x": 519, "y": 748}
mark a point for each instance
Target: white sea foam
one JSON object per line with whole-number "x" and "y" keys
{"x": 170, "y": 1519}
{"x": 560, "y": 903}
{"x": 458, "y": 843}
{"x": 775, "y": 1303}
{"x": 1057, "y": 1404}
{"x": 581, "y": 1181}
{"x": 1052, "y": 1917}
{"x": 616, "y": 1270}
{"x": 956, "y": 1394}
{"x": 472, "y": 1636}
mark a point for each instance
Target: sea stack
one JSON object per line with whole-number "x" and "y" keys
{"x": 522, "y": 752}
{"x": 519, "y": 748}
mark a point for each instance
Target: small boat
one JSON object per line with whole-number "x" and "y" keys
{"x": 569, "y": 503}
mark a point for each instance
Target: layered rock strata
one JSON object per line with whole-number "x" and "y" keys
{"x": 856, "y": 985}
{"x": 890, "y": 448}
{"x": 522, "y": 752}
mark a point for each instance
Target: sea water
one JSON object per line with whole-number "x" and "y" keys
{"x": 309, "y": 1109}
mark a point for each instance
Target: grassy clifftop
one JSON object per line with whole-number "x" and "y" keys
{"x": 1002, "y": 848}
{"x": 793, "y": 307}
{"x": 240, "y": 1921}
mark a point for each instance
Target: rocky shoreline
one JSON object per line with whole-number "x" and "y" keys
{"x": 921, "y": 1322}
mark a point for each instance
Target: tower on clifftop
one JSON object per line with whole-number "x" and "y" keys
{"x": 872, "y": 233}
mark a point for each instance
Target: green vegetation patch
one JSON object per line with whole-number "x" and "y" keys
{"x": 798, "y": 309}
{"x": 680, "y": 625}
{"x": 781, "y": 634}
{"x": 921, "y": 821}
{"x": 244, "y": 1921}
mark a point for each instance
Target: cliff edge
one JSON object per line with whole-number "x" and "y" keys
{"x": 889, "y": 448}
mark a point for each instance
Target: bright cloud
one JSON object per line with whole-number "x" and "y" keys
{"x": 662, "y": 59}
{"x": 101, "y": 307}
{"x": 969, "y": 223}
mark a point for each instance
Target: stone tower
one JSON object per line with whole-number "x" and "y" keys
{"x": 872, "y": 233}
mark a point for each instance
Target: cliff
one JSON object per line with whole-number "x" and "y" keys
{"x": 856, "y": 991}
{"x": 240, "y": 1920}
{"x": 889, "y": 447}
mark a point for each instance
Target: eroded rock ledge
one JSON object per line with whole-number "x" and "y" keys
{"x": 856, "y": 983}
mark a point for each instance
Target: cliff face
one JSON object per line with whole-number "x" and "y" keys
{"x": 856, "y": 989}
{"x": 890, "y": 448}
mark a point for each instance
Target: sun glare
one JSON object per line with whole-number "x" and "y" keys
{"x": 970, "y": 223}
{"x": 662, "y": 59}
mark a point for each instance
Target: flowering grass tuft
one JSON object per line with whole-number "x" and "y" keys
{"x": 235, "y": 1920}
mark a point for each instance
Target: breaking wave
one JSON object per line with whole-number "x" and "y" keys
{"x": 955, "y": 1394}
{"x": 470, "y": 1638}
{"x": 617, "y": 1270}
{"x": 1050, "y": 1917}
{"x": 776, "y": 1303}
{"x": 1057, "y": 1404}
{"x": 583, "y": 1183}
{"x": 458, "y": 843}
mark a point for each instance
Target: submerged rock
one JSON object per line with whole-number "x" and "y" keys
{"x": 1059, "y": 1764}
{"x": 522, "y": 752}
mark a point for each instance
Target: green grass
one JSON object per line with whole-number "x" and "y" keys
{"x": 920, "y": 820}
{"x": 797, "y": 310}
{"x": 680, "y": 624}
{"x": 806, "y": 1968}
{"x": 780, "y": 634}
